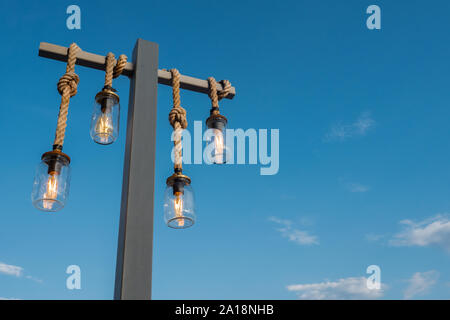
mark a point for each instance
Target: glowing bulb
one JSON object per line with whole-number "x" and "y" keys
{"x": 216, "y": 142}
{"x": 104, "y": 127}
{"x": 51, "y": 192}
{"x": 178, "y": 207}
{"x": 218, "y": 145}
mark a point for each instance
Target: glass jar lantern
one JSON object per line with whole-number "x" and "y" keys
{"x": 51, "y": 182}
{"x": 216, "y": 139}
{"x": 105, "y": 117}
{"x": 179, "y": 211}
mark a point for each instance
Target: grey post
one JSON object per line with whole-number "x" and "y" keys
{"x": 134, "y": 251}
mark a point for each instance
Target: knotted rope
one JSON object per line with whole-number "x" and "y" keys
{"x": 177, "y": 119}
{"x": 67, "y": 88}
{"x": 114, "y": 67}
{"x": 217, "y": 96}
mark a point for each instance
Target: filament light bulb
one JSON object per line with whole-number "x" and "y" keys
{"x": 216, "y": 142}
{"x": 178, "y": 208}
{"x": 219, "y": 146}
{"x": 104, "y": 127}
{"x": 51, "y": 191}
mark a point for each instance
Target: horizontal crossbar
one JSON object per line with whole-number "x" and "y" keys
{"x": 95, "y": 61}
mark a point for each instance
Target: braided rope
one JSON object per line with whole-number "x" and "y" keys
{"x": 67, "y": 88}
{"x": 120, "y": 65}
{"x": 217, "y": 96}
{"x": 114, "y": 67}
{"x": 177, "y": 119}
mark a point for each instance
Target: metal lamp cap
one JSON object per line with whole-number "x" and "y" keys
{"x": 178, "y": 177}
{"x": 106, "y": 93}
{"x": 216, "y": 121}
{"x": 55, "y": 155}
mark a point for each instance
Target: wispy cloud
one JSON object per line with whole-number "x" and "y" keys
{"x": 372, "y": 237}
{"x": 16, "y": 271}
{"x": 420, "y": 284}
{"x": 34, "y": 279}
{"x": 434, "y": 231}
{"x": 357, "y": 187}
{"x": 11, "y": 270}
{"x": 288, "y": 197}
{"x": 342, "y": 289}
{"x": 293, "y": 234}
{"x": 341, "y": 132}
{"x": 2, "y": 298}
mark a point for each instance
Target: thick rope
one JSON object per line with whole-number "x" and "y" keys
{"x": 120, "y": 65}
{"x": 67, "y": 88}
{"x": 217, "y": 96}
{"x": 114, "y": 67}
{"x": 177, "y": 119}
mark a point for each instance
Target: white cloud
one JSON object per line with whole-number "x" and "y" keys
{"x": 34, "y": 279}
{"x": 16, "y": 271}
{"x": 430, "y": 232}
{"x": 1, "y": 298}
{"x": 360, "y": 127}
{"x": 10, "y": 270}
{"x": 342, "y": 289}
{"x": 372, "y": 237}
{"x": 357, "y": 187}
{"x": 420, "y": 284}
{"x": 292, "y": 234}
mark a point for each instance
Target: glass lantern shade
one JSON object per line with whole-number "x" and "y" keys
{"x": 179, "y": 211}
{"x": 216, "y": 150}
{"x": 105, "y": 117}
{"x": 51, "y": 182}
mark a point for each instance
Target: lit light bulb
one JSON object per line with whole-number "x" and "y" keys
{"x": 217, "y": 138}
{"x": 178, "y": 208}
{"x": 52, "y": 191}
{"x": 219, "y": 146}
{"x": 104, "y": 127}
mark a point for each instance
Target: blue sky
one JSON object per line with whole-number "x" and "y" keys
{"x": 364, "y": 148}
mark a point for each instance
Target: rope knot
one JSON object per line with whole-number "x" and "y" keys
{"x": 120, "y": 65}
{"x": 69, "y": 81}
{"x": 226, "y": 85}
{"x": 216, "y": 95}
{"x": 178, "y": 114}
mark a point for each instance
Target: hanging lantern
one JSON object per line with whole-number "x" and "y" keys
{"x": 52, "y": 179}
{"x": 216, "y": 138}
{"x": 216, "y": 135}
{"x": 179, "y": 211}
{"x": 106, "y": 115}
